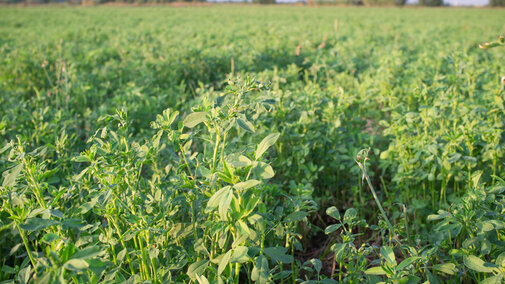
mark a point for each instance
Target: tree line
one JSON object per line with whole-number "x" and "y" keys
{"x": 495, "y": 3}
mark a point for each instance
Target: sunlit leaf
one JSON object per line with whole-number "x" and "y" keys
{"x": 197, "y": 268}
{"x": 195, "y": 118}
{"x": 76, "y": 264}
{"x": 265, "y": 144}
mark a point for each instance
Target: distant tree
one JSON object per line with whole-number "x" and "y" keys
{"x": 497, "y": 3}
{"x": 353, "y": 2}
{"x": 431, "y": 2}
{"x": 384, "y": 2}
{"x": 265, "y": 1}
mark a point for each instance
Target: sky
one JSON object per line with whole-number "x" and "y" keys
{"x": 462, "y": 2}
{"x": 450, "y": 2}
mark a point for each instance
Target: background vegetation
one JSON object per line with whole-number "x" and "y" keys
{"x": 223, "y": 144}
{"x": 178, "y": 2}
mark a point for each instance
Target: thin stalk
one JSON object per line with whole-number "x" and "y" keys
{"x": 442, "y": 192}
{"x": 384, "y": 187}
{"x": 293, "y": 263}
{"x": 193, "y": 217}
{"x": 339, "y": 270}
{"x": 186, "y": 162}
{"x": 376, "y": 198}
{"x": 433, "y": 194}
{"x": 135, "y": 242}
{"x": 223, "y": 144}
{"x": 25, "y": 242}
{"x": 214, "y": 156}
{"x": 154, "y": 269}
{"x": 112, "y": 220}
{"x": 38, "y": 193}
{"x": 494, "y": 170}
{"x": 237, "y": 272}
{"x": 407, "y": 225}
{"x": 144, "y": 257}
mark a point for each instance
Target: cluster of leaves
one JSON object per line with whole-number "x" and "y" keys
{"x": 466, "y": 243}
{"x": 134, "y": 208}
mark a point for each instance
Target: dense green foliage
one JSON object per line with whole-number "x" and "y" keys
{"x": 224, "y": 144}
{"x": 431, "y": 2}
{"x": 496, "y": 3}
{"x": 177, "y": 2}
{"x": 385, "y": 2}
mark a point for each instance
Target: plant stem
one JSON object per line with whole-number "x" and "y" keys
{"x": 214, "y": 156}
{"x": 25, "y": 242}
{"x": 365, "y": 174}
{"x": 237, "y": 272}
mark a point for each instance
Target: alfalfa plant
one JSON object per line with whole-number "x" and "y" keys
{"x": 361, "y": 159}
{"x": 488, "y": 45}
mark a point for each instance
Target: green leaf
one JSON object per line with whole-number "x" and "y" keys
{"x": 441, "y": 215}
{"x": 296, "y": 216}
{"x": 197, "y": 268}
{"x": 375, "y": 271}
{"x": 242, "y": 234}
{"x": 373, "y": 279}
{"x": 316, "y": 263}
{"x": 75, "y": 265}
{"x": 72, "y": 223}
{"x": 86, "y": 207}
{"x": 500, "y": 259}
{"x": 265, "y": 144}
{"x": 332, "y": 228}
{"x": 410, "y": 279}
{"x": 202, "y": 279}
{"x": 240, "y": 254}
{"x": 246, "y": 125}
{"x": 8, "y": 270}
{"x": 260, "y": 272}
{"x": 13, "y": 173}
{"x": 350, "y": 215}
{"x": 224, "y": 262}
{"x": 406, "y": 262}
{"x": 56, "y": 213}
{"x": 224, "y": 204}
{"x": 214, "y": 201}
{"x": 80, "y": 159}
{"x": 246, "y": 184}
{"x": 278, "y": 254}
{"x": 193, "y": 119}
{"x": 476, "y": 177}
{"x": 431, "y": 278}
{"x": 25, "y": 274}
{"x": 251, "y": 204}
{"x": 478, "y": 264}
{"x": 333, "y": 212}
{"x": 121, "y": 255}
{"x": 338, "y": 249}
{"x": 263, "y": 170}
{"x": 200, "y": 247}
{"x": 6, "y": 146}
{"x": 80, "y": 175}
{"x": 37, "y": 224}
{"x": 238, "y": 161}
{"x": 88, "y": 252}
{"x": 388, "y": 254}
{"x": 49, "y": 238}
{"x": 494, "y": 279}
